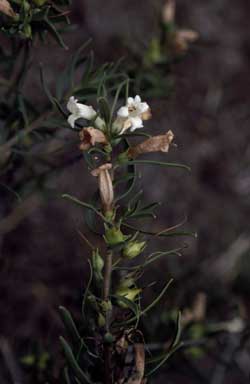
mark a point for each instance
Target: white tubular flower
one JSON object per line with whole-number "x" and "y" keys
{"x": 79, "y": 111}
{"x": 132, "y": 115}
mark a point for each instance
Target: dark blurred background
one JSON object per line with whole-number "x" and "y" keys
{"x": 43, "y": 259}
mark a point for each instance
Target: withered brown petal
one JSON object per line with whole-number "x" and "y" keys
{"x": 158, "y": 143}
{"x": 6, "y": 8}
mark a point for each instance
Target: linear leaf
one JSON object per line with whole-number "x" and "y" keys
{"x": 78, "y": 372}
{"x": 70, "y": 326}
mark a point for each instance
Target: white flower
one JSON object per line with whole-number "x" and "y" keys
{"x": 79, "y": 111}
{"x": 132, "y": 115}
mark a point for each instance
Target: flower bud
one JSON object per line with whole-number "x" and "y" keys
{"x": 26, "y": 6}
{"x": 92, "y": 302}
{"x": 109, "y": 338}
{"x": 106, "y": 306}
{"x": 114, "y": 236}
{"x": 98, "y": 264}
{"x": 133, "y": 249}
{"x": 101, "y": 320}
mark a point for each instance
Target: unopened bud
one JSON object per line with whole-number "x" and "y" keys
{"x": 106, "y": 306}
{"x": 109, "y": 338}
{"x": 97, "y": 263}
{"x": 101, "y": 320}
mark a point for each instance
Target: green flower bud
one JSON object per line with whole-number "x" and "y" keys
{"x": 98, "y": 264}
{"x": 133, "y": 249}
{"x": 92, "y": 302}
{"x": 26, "y": 6}
{"x": 114, "y": 236}
{"x": 106, "y": 306}
{"x": 109, "y": 338}
{"x": 101, "y": 320}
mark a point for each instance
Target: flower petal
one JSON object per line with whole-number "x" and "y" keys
{"x": 137, "y": 99}
{"x": 123, "y": 112}
{"x": 72, "y": 104}
{"x": 136, "y": 123}
{"x": 71, "y": 120}
{"x": 86, "y": 112}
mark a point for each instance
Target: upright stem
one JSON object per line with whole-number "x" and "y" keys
{"x": 106, "y": 294}
{"x": 107, "y": 282}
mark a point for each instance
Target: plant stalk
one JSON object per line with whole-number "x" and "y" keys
{"x": 106, "y": 294}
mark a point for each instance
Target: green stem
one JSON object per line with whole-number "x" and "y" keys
{"x": 106, "y": 294}
{"x": 107, "y": 275}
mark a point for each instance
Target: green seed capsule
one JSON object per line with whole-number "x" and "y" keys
{"x": 133, "y": 249}
{"x": 114, "y": 236}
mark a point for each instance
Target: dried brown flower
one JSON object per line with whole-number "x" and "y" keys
{"x": 168, "y": 11}
{"x": 138, "y": 369}
{"x": 183, "y": 37}
{"x": 6, "y": 8}
{"x": 158, "y": 143}
{"x": 198, "y": 310}
{"x": 105, "y": 186}
{"x": 91, "y": 136}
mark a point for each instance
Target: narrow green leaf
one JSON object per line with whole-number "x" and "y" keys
{"x": 78, "y": 372}
{"x": 178, "y": 331}
{"x": 151, "y": 305}
{"x": 53, "y": 31}
{"x": 45, "y": 87}
{"x": 117, "y": 95}
{"x": 160, "y": 163}
{"x": 163, "y": 360}
{"x": 104, "y": 109}
{"x": 158, "y": 298}
{"x": 88, "y": 68}
{"x": 22, "y": 109}
{"x": 159, "y": 234}
{"x": 85, "y": 205}
{"x": 131, "y": 305}
{"x": 70, "y": 327}
{"x": 66, "y": 376}
{"x": 74, "y": 62}
{"x": 87, "y": 289}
